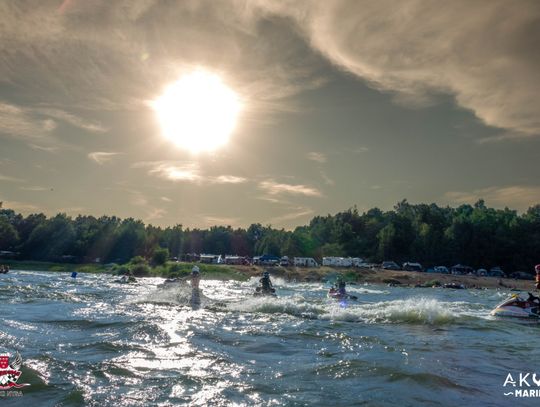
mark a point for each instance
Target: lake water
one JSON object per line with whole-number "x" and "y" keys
{"x": 91, "y": 341}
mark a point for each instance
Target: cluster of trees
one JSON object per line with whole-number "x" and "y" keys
{"x": 474, "y": 235}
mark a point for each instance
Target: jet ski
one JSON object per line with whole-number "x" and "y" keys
{"x": 126, "y": 280}
{"x": 336, "y": 295}
{"x": 259, "y": 292}
{"x": 517, "y": 307}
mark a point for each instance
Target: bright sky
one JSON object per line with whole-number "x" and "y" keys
{"x": 321, "y": 105}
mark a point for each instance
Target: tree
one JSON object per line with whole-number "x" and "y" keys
{"x": 160, "y": 256}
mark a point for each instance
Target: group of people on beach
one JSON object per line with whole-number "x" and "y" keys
{"x": 4, "y": 269}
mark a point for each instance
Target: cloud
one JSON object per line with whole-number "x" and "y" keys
{"x": 274, "y": 188}
{"x": 484, "y": 53}
{"x": 188, "y": 172}
{"x": 185, "y": 172}
{"x": 296, "y": 214}
{"x": 102, "y": 157}
{"x": 35, "y": 189}
{"x": 318, "y": 157}
{"x": 7, "y": 178}
{"x": 155, "y": 213}
{"x": 219, "y": 220}
{"x": 43, "y": 148}
{"x": 327, "y": 179}
{"x": 228, "y": 179}
{"x": 72, "y": 119}
{"x": 519, "y": 197}
{"x": 116, "y": 55}
{"x": 38, "y": 125}
{"x": 22, "y": 207}
{"x": 18, "y": 122}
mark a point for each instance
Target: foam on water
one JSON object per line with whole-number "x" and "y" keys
{"x": 413, "y": 310}
{"x": 296, "y": 306}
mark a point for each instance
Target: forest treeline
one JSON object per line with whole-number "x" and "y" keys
{"x": 475, "y": 235}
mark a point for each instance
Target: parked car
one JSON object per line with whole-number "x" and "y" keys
{"x": 522, "y": 275}
{"x": 284, "y": 261}
{"x": 460, "y": 269}
{"x": 408, "y": 266}
{"x": 390, "y": 265}
{"x": 481, "y": 272}
{"x": 496, "y": 272}
{"x": 268, "y": 260}
{"x": 441, "y": 269}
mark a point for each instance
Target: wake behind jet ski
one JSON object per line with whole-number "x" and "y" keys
{"x": 517, "y": 307}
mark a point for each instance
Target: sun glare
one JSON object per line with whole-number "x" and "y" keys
{"x": 198, "y": 112}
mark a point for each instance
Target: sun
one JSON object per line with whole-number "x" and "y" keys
{"x": 198, "y": 112}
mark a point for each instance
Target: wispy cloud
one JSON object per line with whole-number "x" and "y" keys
{"x": 186, "y": 172}
{"x": 519, "y": 197}
{"x": 296, "y": 213}
{"x": 228, "y": 179}
{"x": 18, "y": 122}
{"x": 360, "y": 150}
{"x": 48, "y": 149}
{"x": 76, "y": 121}
{"x": 35, "y": 189}
{"x": 37, "y": 126}
{"x": 7, "y": 178}
{"x": 318, "y": 157}
{"x": 102, "y": 157}
{"x": 219, "y": 220}
{"x": 18, "y": 206}
{"x": 389, "y": 50}
{"x": 273, "y": 188}
{"x": 327, "y": 179}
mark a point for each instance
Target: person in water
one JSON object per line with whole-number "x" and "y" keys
{"x": 341, "y": 288}
{"x": 195, "y": 277}
{"x": 266, "y": 284}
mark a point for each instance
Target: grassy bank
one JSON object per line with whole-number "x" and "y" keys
{"x": 241, "y": 273}
{"x": 59, "y": 267}
{"x": 141, "y": 269}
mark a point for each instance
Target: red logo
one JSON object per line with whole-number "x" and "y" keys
{"x": 10, "y": 372}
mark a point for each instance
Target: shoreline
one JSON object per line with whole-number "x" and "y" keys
{"x": 351, "y": 275}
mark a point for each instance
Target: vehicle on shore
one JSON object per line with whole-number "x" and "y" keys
{"x": 481, "y": 272}
{"x": 410, "y": 266}
{"x": 461, "y": 270}
{"x": 522, "y": 275}
{"x": 496, "y": 272}
{"x": 390, "y": 265}
{"x": 305, "y": 262}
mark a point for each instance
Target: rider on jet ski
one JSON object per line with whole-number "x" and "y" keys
{"x": 266, "y": 284}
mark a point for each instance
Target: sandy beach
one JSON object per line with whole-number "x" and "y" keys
{"x": 380, "y": 276}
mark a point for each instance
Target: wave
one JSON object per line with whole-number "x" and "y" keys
{"x": 295, "y": 306}
{"x": 413, "y": 311}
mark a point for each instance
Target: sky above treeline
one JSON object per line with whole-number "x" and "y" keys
{"x": 340, "y": 103}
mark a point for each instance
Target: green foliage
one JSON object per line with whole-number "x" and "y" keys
{"x": 139, "y": 269}
{"x": 160, "y": 256}
{"x": 475, "y": 235}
